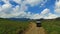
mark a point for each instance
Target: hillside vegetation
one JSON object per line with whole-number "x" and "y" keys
{"x": 12, "y": 27}
{"x": 52, "y": 26}
{"x": 7, "y": 26}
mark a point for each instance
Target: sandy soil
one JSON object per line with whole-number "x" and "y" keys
{"x": 35, "y": 30}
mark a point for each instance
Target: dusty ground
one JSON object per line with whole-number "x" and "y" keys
{"x": 35, "y": 30}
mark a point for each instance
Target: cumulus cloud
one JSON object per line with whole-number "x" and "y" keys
{"x": 50, "y": 16}
{"x": 45, "y": 14}
{"x": 18, "y": 1}
{"x": 6, "y": 1}
{"x": 33, "y": 2}
{"x": 45, "y": 11}
{"x": 6, "y": 6}
{"x": 36, "y": 16}
{"x": 6, "y": 10}
{"x": 57, "y": 8}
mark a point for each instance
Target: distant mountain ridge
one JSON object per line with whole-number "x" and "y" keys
{"x": 58, "y": 18}
{"x": 26, "y": 19}
{"x": 17, "y": 19}
{"x": 21, "y": 19}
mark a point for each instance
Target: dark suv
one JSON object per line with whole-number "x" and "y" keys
{"x": 38, "y": 23}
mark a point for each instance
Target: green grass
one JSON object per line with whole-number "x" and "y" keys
{"x": 12, "y": 27}
{"x": 16, "y": 27}
{"x": 51, "y": 26}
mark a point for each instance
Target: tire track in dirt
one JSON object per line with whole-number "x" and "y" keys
{"x": 35, "y": 30}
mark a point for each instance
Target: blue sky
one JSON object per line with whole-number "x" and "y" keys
{"x": 37, "y": 9}
{"x": 29, "y": 9}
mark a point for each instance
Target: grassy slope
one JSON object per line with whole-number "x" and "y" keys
{"x": 51, "y": 26}
{"x": 12, "y": 27}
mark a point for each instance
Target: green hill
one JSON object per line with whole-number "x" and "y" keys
{"x": 52, "y": 26}
{"x": 12, "y": 27}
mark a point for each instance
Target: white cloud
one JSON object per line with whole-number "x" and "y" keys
{"x": 57, "y": 4}
{"x": 44, "y": 14}
{"x": 47, "y": 14}
{"x": 35, "y": 2}
{"x": 6, "y": 10}
{"x": 50, "y": 16}
{"x": 18, "y": 1}
{"x": 57, "y": 11}
{"x": 57, "y": 8}
{"x": 45, "y": 11}
{"x": 5, "y": 6}
{"x": 6, "y": 1}
{"x": 35, "y": 16}
{"x": 42, "y": 3}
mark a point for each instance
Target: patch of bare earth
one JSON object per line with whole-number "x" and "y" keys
{"x": 35, "y": 30}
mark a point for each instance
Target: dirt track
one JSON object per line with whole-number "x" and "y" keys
{"x": 35, "y": 30}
